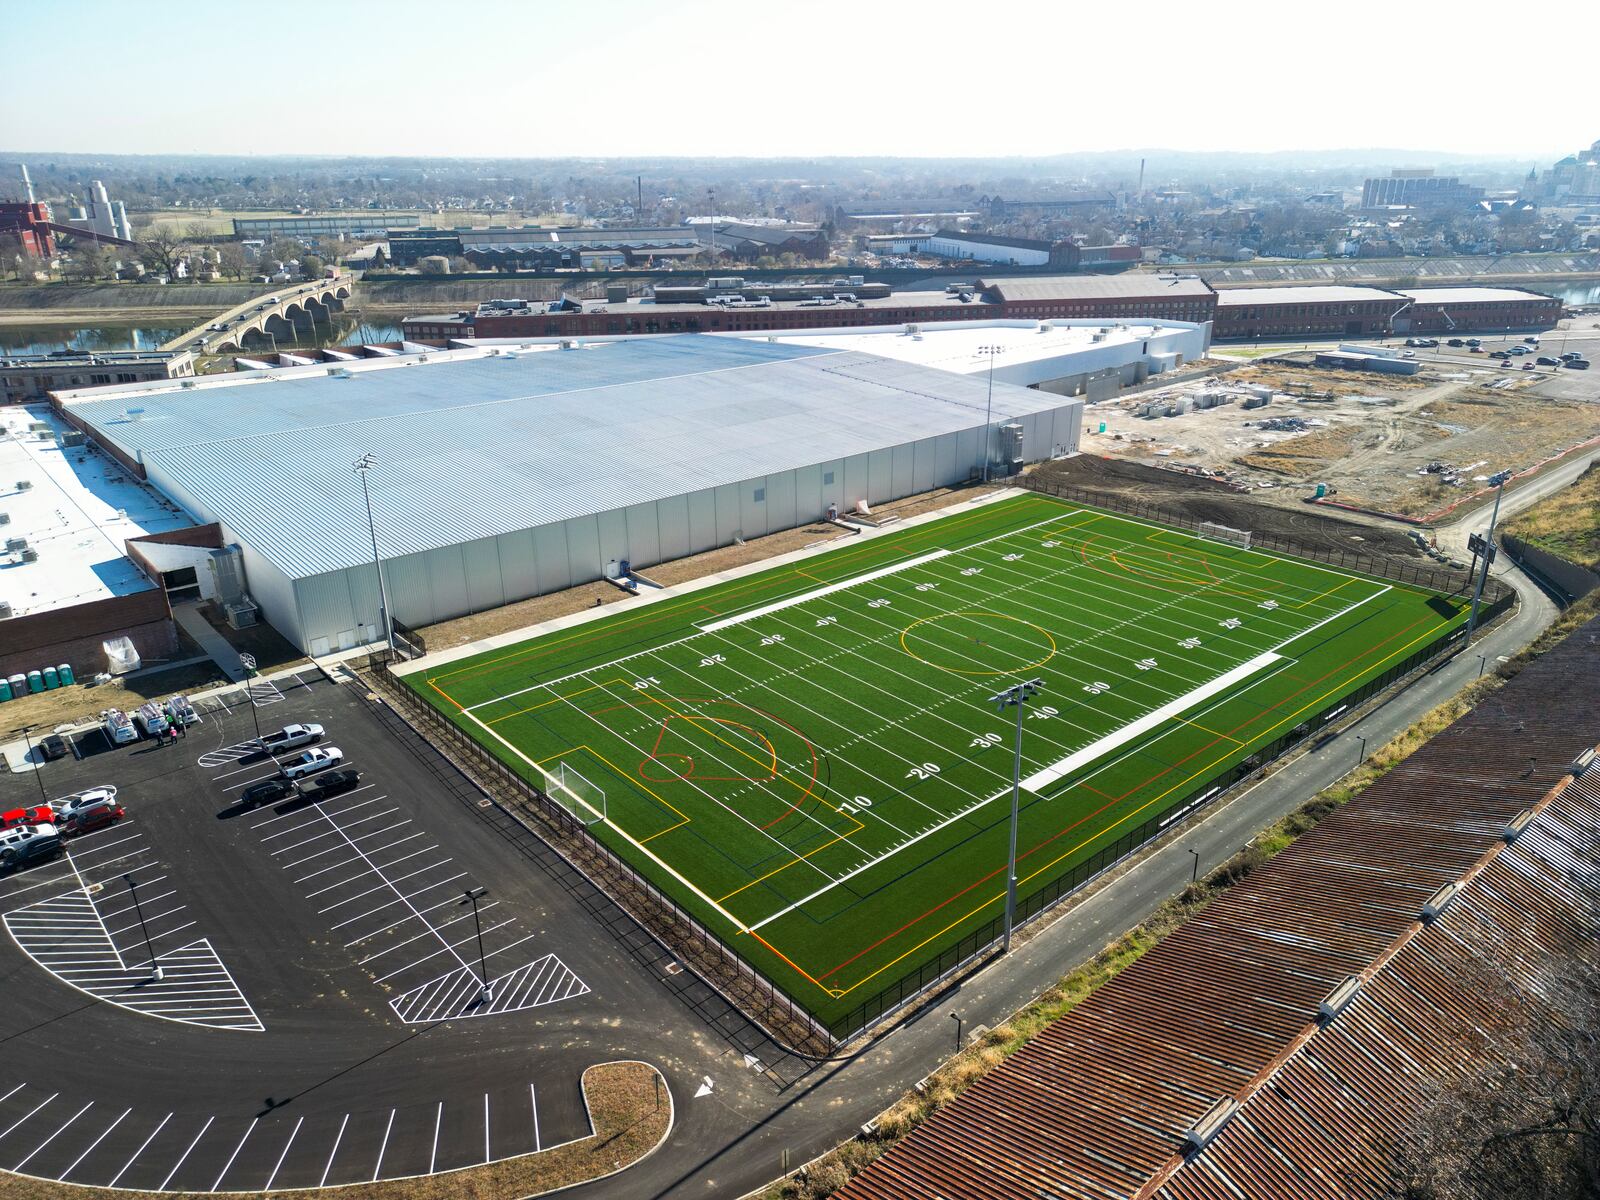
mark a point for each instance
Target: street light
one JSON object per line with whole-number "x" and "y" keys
{"x": 1363, "y": 742}
{"x": 956, "y": 1017}
{"x": 1499, "y": 481}
{"x": 485, "y": 992}
{"x": 992, "y": 351}
{"x": 362, "y": 465}
{"x": 1015, "y": 696}
{"x": 1195, "y": 876}
{"x": 37, "y": 771}
{"x": 155, "y": 967}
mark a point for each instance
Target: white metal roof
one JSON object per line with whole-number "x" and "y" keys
{"x": 1470, "y": 295}
{"x": 1312, "y": 294}
{"x": 78, "y": 512}
{"x": 472, "y": 444}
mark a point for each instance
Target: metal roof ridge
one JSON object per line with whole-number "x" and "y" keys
{"x": 1232, "y": 1104}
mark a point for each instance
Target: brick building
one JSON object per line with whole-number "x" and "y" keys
{"x": 30, "y": 224}
{"x": 1331, "y": 311}
{"x": 26, "y": 377}
{"x": 1479, "y": 309}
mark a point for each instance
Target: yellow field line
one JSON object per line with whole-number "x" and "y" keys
{"x": 796, "y": 860}
{"x": 556, "y": 700}
{"x": 1103, "y": 832}
{"x": 682, "y": 819}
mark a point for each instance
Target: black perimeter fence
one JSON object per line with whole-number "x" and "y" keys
{"x": 788, "y": 1021}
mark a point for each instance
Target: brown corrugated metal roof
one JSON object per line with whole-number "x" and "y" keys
{"x": 1097, "y": 1106}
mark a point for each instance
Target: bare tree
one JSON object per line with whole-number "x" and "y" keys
{"x": 1525, "y": 1124}
{"x": 232, "y": 261}
{"x": 160, "y": 249}
{"x": 89, "y": 262}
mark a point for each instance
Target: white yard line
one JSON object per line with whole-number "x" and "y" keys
{"x": 1142, "y": 725}
{"x": 826, "y": 590}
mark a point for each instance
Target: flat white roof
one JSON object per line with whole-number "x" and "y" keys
{"x": 1312, "y": 294}
{"x": 955, "y": 346}
{"x": 1470, "y": 295}
{"x": 81, "y": 508}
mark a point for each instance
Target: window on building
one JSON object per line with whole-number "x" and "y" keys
{"x": 760, "y": 495}
{"x": 827, "y": 478}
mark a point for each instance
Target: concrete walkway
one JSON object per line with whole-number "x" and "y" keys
{"x": 213, "y": 643}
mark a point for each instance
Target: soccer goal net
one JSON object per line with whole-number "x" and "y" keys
{"x": 584, "y": 800}
{"x": 1224, "y": 533}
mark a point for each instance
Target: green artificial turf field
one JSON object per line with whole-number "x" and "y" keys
{"x": 808, "y": 758}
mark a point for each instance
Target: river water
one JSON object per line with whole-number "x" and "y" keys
{"x": 117, "y": 335}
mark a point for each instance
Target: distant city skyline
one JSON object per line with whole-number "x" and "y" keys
{"x": 693, "y": 78}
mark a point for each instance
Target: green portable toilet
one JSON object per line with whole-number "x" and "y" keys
{"x": 5, "y": 688}
{"x": 64, "y": 672}
{"x": 35, "y": 681}
{"x": 1102, "y": 426}
{"x": 1322, "y": 490}
{"x": 51, "y": 683}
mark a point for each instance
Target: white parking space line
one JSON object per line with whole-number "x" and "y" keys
{"x": 12, "y": 1092}
{"x": 292, "y": 1134}
{"x": 438, "y": 1121}
{"x": 337, "y": 1138}
{"x": 533, "y": 1103}
{"x": 59, "y": 1131}
{"x": 186, "y": 1154}
{"x": 251, "y": 1128}
{"x": 9, "y": 1128}
{"x": 142, "y": 1147}
{"x": 387, "y": 1130}
{"x": 486, "y": 1127}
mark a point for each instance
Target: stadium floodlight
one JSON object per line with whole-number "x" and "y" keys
{"x": 991, "y": 351}
{"x": 362, "y": 465}
{"x": 1016, "y": 696}
{"x": 1498, "y": 481}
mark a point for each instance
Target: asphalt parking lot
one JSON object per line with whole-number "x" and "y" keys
{"x": 320, "y": 1015}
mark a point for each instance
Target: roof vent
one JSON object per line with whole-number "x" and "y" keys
{"x": 1440, "y": 900}
{"x": 340, "y": 373}
{"x": 1582, "y": 762}
{"x": 1335, "y": 1001}
{"x": 1207, "y": 1127}
{"x": 188, "y": 383}
{"x": 1517, "y": 824}
{"x": 913, "y": 329}
{"x": 24, "y": 485}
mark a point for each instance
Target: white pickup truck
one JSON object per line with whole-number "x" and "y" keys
{"x": 289, "y": 737}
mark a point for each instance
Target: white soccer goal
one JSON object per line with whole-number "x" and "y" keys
{"x": 584, "y": 800}
{"x": 1224, "y": 533}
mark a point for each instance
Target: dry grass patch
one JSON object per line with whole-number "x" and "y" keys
{"x": 1568, "y": 523}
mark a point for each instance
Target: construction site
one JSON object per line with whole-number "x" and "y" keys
{"x": 1410, "y": 446}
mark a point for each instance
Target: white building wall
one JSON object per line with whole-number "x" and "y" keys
{"x": 987, "y": 252}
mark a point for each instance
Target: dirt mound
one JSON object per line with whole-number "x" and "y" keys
{"x": 1202, "y": 499}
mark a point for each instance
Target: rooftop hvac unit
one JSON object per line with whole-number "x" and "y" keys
{"x": 1045, "y": 327}
{"x": 242, "y": 615}
{"x": 1011, "y": 443}
{"x": 187, "y": 383}
{"x": 1336, "y": 1001}
{"x": 72, "y": 437}
{"x": 913, "y": 329}
{"x": 1440, "y": 900}
{"x": 15, "y": 544}
{"x": 5, "y": 518}
{"x": 24, "y": 485}
{"x": 1517, "y": 824}
{"x": 1205, "y": 1130}
{"x": 30, "y": 555}
{"x": 5, "y": 610}
{"x": 227, "y": 575}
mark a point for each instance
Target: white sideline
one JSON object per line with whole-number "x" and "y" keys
{"x": 828, "y": 590}
{"x": 1149, "y": 721}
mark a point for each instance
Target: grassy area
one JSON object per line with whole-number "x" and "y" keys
{"x": 833, "y": 1170}
{"x": 630, "y": 1112}
{"x": 1567, "y": 523}
{"x": 808, "y": 758}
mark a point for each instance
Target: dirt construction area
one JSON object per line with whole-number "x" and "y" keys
{"x": 1408, "y": 445}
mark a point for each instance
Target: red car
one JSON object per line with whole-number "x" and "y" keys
{"x": 41, "y": 815}
{"x": 96, "y": 814}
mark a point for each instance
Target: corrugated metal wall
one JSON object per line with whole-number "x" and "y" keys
{"x": 456, "y": 580}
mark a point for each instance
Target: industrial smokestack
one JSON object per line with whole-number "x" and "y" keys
{"x": 639, "y": 180}
{"x": 1141, "y": 179}
{"x": 27, "y": 185}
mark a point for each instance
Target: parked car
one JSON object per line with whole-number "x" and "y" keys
{"x": 1497, "y": 354}
{"x": 1570, "y": 355}
{"x": 1577, "y": 364}
{"x": 40, "y": 814}
{"x": 67, "y": 805}
{"x": 290, "y": 737}
{"x": 1544, "y": 360}
{"x": 1455, "y": 342}
{"x": 1532, "y": 339}
{"x": 86, "y": 818}
{"x": 1413, "y": 342}
{"x": 308, "y": 762}
{"x": 333, "y": 783}
{"x": 1474, "y": 341}
{"x": 1476, "y": 349}
{"x": 1528, "y": 367}
{"x": 54, "y": 746}
{"x": 268, "y": 791}
{"x": 26, "y": 845}
{"x": 1427, "y": 341}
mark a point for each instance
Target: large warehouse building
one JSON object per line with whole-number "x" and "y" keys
{"x": 504, "y": 474}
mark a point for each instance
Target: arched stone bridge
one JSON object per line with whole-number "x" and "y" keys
{"x": 287, "y": 314}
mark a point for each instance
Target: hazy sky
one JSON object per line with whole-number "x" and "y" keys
{"x": 533, "y": 78}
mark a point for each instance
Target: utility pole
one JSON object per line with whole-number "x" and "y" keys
{"x": 362, "y": 465}
{"x": 1016, "y": 696}
{"x": 1499, "y": 480}
{"x": 992, "y": 351}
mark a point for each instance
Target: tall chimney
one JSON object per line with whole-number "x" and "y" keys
{"x": 639, "y": 180}
{"x": 27, "y": 185}
{"x": 1141, "y": 179}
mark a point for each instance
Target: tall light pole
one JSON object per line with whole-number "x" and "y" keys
{"x": 485, "y": 992}
{"x": 149, "y": 948}
{"x": 362, "y": 465}
{"x": 38, "y": 774}
{"x": 1499, "y": 480}
{"x": 992, "y": 351}
{"x": 1016, "y": 696}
